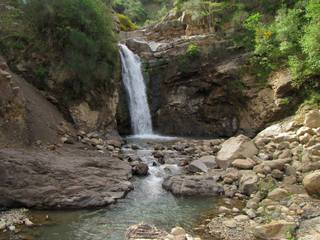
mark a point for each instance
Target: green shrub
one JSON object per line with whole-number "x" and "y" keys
{"x": 82, "y": 32}
{"x": 193, "y": 51}
{"x": 125, "y": 23}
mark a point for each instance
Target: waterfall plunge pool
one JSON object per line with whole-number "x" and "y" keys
{"x": 148, "y": 203}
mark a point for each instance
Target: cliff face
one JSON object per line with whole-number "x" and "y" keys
{"x": 207, "y": 90}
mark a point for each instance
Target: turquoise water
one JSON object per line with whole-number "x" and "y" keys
{"x": 147, "y": 203}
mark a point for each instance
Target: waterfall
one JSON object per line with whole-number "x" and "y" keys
{"x": 136, "y": 90}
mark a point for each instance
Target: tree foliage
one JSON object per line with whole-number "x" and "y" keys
{"x": 82, "y": 31}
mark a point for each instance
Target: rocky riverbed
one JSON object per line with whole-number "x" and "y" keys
{"x": 275, "y": 176}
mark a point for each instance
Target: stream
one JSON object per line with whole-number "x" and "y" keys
{"x": 148, "y": 203}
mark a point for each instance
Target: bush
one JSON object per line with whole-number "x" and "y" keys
{"x": 125, "y": 23}
{"x": 193, "y": 51}
{"x": 82, "y": 32}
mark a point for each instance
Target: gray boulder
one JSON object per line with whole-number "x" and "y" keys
{"x": 193, "y": 185}
{"x": 234, "y": 148}
{"x": 203, "y": 164}
{"x": 248, "y": 183}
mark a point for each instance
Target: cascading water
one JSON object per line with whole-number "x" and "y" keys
{"x": 136, "y": 90}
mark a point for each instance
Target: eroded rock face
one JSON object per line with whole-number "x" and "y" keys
{"x": 70, "y": 179}
{"x": 208, "y": 94}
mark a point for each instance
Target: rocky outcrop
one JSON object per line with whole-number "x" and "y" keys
{"x": 61, "y": 179}
{"x": 210, "y": 93}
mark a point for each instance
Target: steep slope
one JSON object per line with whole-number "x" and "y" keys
{"x": 26, "y": 116}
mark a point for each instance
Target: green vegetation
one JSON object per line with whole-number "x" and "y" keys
{"x": 290, "y": 40}
{"x": 193, "y": 51}
{"x": 125, "y": 23}
{"x": 142, "y": 12}
{"x": 265, "y": 186}
{"x": 75, "y": 34}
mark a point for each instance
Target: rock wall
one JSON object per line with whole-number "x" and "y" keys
{"x": 210, "y": 93}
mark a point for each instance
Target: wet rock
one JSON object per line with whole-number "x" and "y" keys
{"x": 140, "y": 169}
{"x": 311, "y": 183}
{"x": 235, "y": 147}
{"x": 312, "y": 119}
{"x": 203, "y": 185}
{"x": 244, "y": 163}
{"x": 146, "y": 232}
{"x": 274, "y": 230}
{"x": 248, "y": 183}
{"x": 204, "y": 164}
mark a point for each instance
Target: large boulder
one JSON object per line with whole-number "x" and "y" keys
{"x": 312, "y": 119}
{"x": 248, "y": 183}
{"x": 311, "y": 183}
{"x": 193, "y": 185}
{"x": 140, "y": 169}
{"x": 203, "y": 164}
{"x": 235, "y": 147}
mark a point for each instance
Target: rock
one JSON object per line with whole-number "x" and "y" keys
{"x": 274, "y": 230}
{"x": 248, "y": 183}
{"x": 309, "y": 229}
{"x": 204, "y": 164}
{"x": 203, "y": 185}
{"x": 27, "y": 222}
{"x": 235, "y": 147}
{"x": 244, "y": 163}
{"x": 2, "y": 224}
{"x": 278, "y": 194}
{"x": 241, "y": 218}
{"x": 146, "y": 232}
{"x": 262, "y": 169}
{"x": 66, "y": 140}
{"x": 72, "y": 178}
{"x": 312, "y": 119}
{"x": 178, "y": 231}
{"x": 311, "y": 183}
{"x": 12, "y": 228}
{"x": 230, "y": 223}
{"x": 223, "y": 209}
{"x": 251, "y": 213}
{"x": 140, "y": 169}
{"x": 277, "y": 174}
{"x": 277, "y": 164}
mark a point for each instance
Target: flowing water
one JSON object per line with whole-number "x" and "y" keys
{"x": 136, "y": 90}
{"x": 148, "y": 203}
